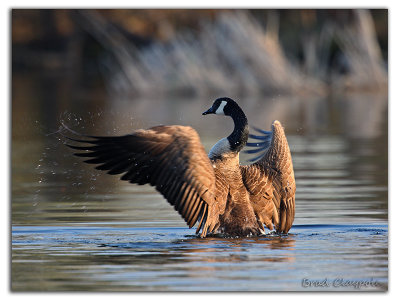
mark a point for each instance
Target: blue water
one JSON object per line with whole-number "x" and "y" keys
{"x": 174, "y": 259}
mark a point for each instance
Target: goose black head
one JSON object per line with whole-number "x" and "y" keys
{"x": 223, "y": 106}
{"x": 227, "y": 107}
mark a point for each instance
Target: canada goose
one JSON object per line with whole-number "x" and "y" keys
{"x": 215, "y": 191}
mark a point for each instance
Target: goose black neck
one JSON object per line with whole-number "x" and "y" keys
{"x": 238, "y": 138}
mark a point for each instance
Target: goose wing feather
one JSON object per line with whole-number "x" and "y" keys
{"x": 171, "y": 158}
{"x": 270, "y": 180}
{"x": 261, "y": 143}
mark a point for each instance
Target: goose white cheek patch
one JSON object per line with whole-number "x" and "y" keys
{"x": 220, "y": 110}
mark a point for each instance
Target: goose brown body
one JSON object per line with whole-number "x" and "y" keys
{"x": 214, "y": 191}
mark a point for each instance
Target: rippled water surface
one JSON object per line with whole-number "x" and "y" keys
{"x": 74, "y": 228}
{"x": 109, "y": 258}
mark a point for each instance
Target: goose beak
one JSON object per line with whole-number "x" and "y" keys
{"x": 207, "y": 112}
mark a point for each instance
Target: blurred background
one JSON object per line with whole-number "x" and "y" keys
{"x": 200, "y": 52}
{"x": 315, "y": 70}
{"x": 93, "y": 57}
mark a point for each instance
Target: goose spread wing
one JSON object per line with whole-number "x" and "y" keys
{"x": 270, "y": 179}
{"x": 171, "y": 158}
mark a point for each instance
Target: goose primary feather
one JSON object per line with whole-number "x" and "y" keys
{"x": 214, "y": 191}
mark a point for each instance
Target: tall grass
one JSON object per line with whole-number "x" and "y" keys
{"x": 360, "y": 47}
{"x": 235, "y": 55}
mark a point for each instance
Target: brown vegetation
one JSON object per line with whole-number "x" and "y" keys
{"x": 153, "y": 52}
